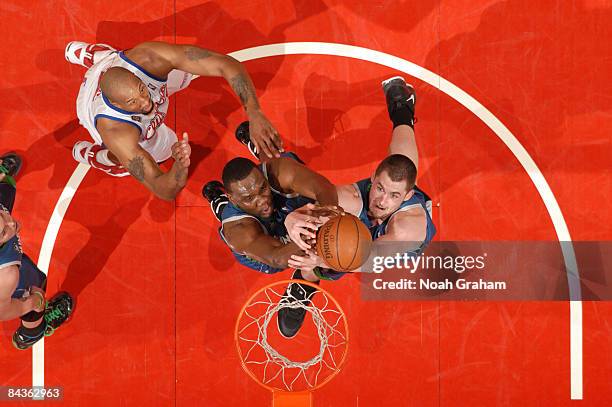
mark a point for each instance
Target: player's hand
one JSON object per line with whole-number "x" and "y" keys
{"x": 326, "y": 212}
{"x": 264, "y": 135}
{"x": 301, "y": 225}
{"x": 307, "y": 262}
{"x": 181, "y": 151}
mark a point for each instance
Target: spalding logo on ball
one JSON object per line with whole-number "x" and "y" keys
{"x": 344, "y": 243}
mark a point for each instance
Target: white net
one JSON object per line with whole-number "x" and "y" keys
{"x": 306, "y": 361}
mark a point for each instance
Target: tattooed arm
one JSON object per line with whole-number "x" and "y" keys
{"x": 160, "y": 58}
{"x": 122, "y": 140}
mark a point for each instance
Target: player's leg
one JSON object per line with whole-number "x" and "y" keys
{"x": 10, "y": 164}
{"x": 33, "y": 325}
{"x": 401, "y": 100}
{"x": 30, "y": 330}
{"x": 98, "y": 157}
{"x": 84, "y": 54}
{"x": 214, "y": 193}
{"x": 290, "y": 319}
{"x": 57, "y": 311}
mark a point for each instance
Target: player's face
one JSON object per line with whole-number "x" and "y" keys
{"x": 136, "y": 98}
{"x": 8, "y": 227}
{"x": 386, "y": 195}
{"x": 252, "y": 195}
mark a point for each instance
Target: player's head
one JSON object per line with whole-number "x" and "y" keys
{"x": 9, "y": 227}
{"x": 392, "y": 184}
{"x": 247, "y": 188}
{"x": 124, "y": 90}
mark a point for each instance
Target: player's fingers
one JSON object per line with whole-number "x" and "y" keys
{"x": 263, "y": 147}
{"x": 297, "y": 257}
{"x": 271, "y": 146}
{"x": 280, "y": 143}
{"x": 306, "y": 232}
{"x": 268, "y": 137}
{"x": 185, "y": 137}
{"x": 184, "y": 161}
{"x": 297, "y": 239}
{"x": 295, "y": 261}
{"x": 276, "y": 141}
{"x": 309, "y": 222}
{"x": 302, "y": 244}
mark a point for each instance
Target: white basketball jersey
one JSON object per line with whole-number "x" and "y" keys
{"x": 146, "y": 124}
{"x": 155, "y": 137}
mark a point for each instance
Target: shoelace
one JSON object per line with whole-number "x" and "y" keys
{"x": 54, "y": 314}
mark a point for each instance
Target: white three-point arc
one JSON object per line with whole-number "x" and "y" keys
{"x": 365, "y": 54}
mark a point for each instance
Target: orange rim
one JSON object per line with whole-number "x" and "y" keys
{"x": 339, "y": 365}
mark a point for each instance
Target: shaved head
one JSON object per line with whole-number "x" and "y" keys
{"x": 125, "y": 90}
{"x": 116, "y": 83}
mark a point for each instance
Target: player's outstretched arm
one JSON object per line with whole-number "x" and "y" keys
{"x": 203, "y": 62}
{"x": 122, "y": 140}
{"x": 247, "y": 237}
{"x": 291, "y": 176}
{"x": 11, "y": 308}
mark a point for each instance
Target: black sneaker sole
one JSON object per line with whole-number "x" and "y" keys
{"x": 281, "y": 332}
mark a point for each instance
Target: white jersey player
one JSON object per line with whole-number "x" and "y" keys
{"x": 123, "y": 102}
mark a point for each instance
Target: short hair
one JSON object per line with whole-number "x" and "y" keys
{"x": 236, "y": 169}
{"x": 115, "y": 80}
{"x": 400, "y": 168}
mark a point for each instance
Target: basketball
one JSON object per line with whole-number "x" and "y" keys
{"x": 344, "y": 243}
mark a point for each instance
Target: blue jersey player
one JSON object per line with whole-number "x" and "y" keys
{"x": 22, "y": 284}
{"x": 252, "y": 203}
{"x": 388, "y": 202}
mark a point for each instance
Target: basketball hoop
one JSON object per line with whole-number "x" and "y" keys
{"x": 291, "y": 368}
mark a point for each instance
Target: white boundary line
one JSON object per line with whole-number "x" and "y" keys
{"x": 46, "y": 250}
{"x": 365, "y": 54}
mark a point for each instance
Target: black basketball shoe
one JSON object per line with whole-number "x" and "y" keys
{"x": 10, "y": 165}
{"x": 243, "y": 136}
{"x": 214, "y": 193}
{"x": 291, "y": 316}
{"x": 22, "y": 340}
{"x": 58, "y": 310}
{"x": 401, "y": 100}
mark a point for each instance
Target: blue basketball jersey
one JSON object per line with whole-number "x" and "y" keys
{"x": 419, "y": 198}
{"x": 282, "y": 204}
{"x": 11, "y": 254}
